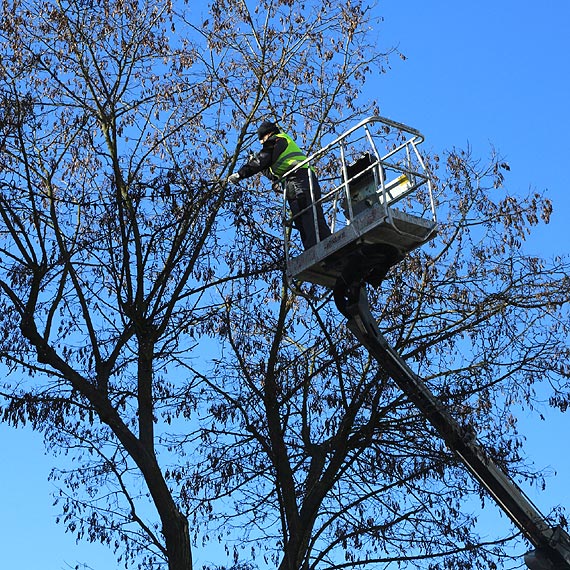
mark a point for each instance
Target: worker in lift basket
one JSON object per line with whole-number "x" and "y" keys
{"x": 278, "y": 156}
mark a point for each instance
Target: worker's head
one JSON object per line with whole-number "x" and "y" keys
{"x": 266, "y": 128}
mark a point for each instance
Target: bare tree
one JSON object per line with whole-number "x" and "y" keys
{"x": 119, "y": 123}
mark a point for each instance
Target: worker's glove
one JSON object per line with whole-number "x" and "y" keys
{"x": 234, "y": 178}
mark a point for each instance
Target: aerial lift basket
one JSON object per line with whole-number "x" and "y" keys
{"x": 377, "y": 196}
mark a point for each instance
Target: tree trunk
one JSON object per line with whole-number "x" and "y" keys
{"x": 177, "y": 539}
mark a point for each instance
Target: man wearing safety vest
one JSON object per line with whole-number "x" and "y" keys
{"x": 278, "y": 156}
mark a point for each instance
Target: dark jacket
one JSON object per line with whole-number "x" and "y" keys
{"x": 262, "y": 161}
{"x": 280, "y": 153}
{"x": 278, "y": 156}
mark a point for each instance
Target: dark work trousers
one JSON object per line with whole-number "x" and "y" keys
{"x": 298, "y": 189}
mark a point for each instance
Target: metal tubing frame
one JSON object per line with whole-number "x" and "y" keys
{"x": 415, "y": 139}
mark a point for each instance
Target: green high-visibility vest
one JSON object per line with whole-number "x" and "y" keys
{"x": 289, "y": 158}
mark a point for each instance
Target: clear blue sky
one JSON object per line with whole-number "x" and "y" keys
{"x": 487, "y": 73}
{"x": 495, "y": 74}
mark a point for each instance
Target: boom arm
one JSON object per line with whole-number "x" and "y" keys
{"x": 552, "y": 544}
